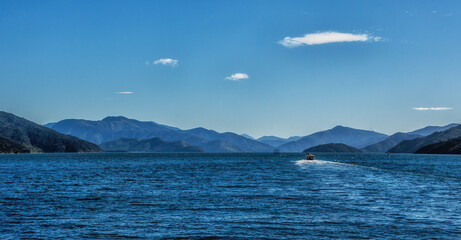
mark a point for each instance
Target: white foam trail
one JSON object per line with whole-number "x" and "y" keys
{"x": 306, "y": 162}
{"x": 303, "y": 162}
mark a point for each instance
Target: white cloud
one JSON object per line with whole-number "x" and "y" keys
{"x": 124, "y": 92}
{"x": 326, "y": 37}
{"x": 237, "y": 77}
{"x": 432, "y": 108}
{"x": 167, "y": 61}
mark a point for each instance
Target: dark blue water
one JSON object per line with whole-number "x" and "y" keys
{"x": 111, "y": 195}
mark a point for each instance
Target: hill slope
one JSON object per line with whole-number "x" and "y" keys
{"x": 452, "y": 146}
{"x": 9, "y": 146}
{"x": 332, "y": 147}
{"x": 390, "y": 142}
{"x": 411, "y": 146}
{"x": 37, "y": 138}
{"x": 149, "y": 145}
{"x": 353, "y": 137}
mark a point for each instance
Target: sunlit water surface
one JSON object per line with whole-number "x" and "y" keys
{"x": 279, "y": 196}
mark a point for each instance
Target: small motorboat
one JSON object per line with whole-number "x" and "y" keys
{"x": 310, "y": 156}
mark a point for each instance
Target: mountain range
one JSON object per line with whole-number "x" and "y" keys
{"x": 393, "y": 140}
{"x": 411, "y": 146}
{"x": 18, "y": 135}
{"x": 339, "y": 134}
{"x": 390, "y": 142}
{"x": 113, "y": 128}
{"x": 234, "y": 139}
{"x": 426, "y": 131}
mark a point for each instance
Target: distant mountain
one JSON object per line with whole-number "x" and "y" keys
{"x": 332, "y": 147}
{"x": 113, "y": 128}
{"x": 277, "y": 141}
{"x": 148, "y": 145}
{"x": 411, "y": 146}
{"x": 452, "y": 146}
{"x": 247, "y": 136}
{"x": 353, "y": 137}
{"x": 390, "y": 142}
{"x": 242, "y": 142}
{"x": 432, "y": 129}
{"x": 395, "y": 139}
{"x": 19, "y": 134}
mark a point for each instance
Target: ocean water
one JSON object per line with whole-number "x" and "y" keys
{"x": 270, "y": 196}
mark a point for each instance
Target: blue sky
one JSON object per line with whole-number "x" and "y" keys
{"x": 257, "y": 67}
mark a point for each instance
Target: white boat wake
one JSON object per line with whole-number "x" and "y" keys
{"x": 304, "y": 162}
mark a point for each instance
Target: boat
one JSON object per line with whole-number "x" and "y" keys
{"x": 310, "y": 156}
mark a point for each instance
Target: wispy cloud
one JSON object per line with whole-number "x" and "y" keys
{"x": 124, "y": 92}
{"x": 237, "y": 77}
{"x": 432, "y": 108}
{"x": 444, "y": 14}
{"x": 326, "y": 37}
{"x": 167, "y": 61}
